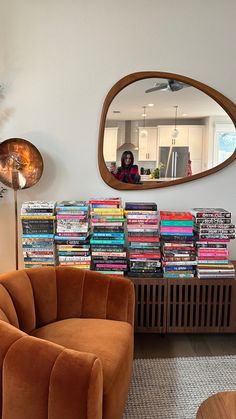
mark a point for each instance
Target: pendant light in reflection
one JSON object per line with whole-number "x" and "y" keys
{"x": 144, "y": 130}
{"x": 175, "y": 131}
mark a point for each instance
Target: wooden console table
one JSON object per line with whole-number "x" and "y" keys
{"x": 191, "y": 305}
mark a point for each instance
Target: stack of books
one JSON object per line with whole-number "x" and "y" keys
{"x": 214, "y": 230}
{"x": 143, "y": 239}
{"x": 72, "y": 234}
{"x": 38, "y": 227}
{"x": 177, "y": 244}
{"x": 107, "y": 241}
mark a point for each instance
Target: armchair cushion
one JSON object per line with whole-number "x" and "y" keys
{"x": 108, "y": 339}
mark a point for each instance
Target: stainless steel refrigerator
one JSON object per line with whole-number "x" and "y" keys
{"x": 175, "y": 161}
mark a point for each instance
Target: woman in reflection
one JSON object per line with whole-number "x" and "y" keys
{"x": 189, "y": 166}
{"x": 128, "y": 171}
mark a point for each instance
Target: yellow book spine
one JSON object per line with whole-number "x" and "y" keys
{"x": 38, "y": 217}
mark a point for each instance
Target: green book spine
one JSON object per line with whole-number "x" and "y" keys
{"x": 181, "y": 223}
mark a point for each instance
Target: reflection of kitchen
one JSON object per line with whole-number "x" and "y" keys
{"x": 159, "y": 152}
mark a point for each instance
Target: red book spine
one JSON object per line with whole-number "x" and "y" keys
{"x": 143, "y": 239}
{"x": 145, "y": 255}
{"x": 212, "y": 257}
{"x": 103, "y": 202}
{"x": 175, "y": 216}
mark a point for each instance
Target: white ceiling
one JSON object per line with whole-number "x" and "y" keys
{"x": 190, "y": 101}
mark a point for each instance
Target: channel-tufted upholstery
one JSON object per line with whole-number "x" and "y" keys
{"x": 66, "y": 344}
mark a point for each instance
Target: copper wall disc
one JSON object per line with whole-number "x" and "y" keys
{"x": 21, "y": 164}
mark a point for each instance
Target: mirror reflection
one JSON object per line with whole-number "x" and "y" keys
{"x": 158, "y": 130}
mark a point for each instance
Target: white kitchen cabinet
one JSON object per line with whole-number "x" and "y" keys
{"x": 147, "y": 144}
{"x": 196, "y": 166}
{"x": 195, "y": 141}
{"x": 166, "y": 138}
{"x": 110, "y": 144}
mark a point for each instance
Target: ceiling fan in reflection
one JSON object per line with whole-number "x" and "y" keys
{"x": 170, "y": 85}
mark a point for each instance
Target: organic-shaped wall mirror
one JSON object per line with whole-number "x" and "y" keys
{"x": 175, "y": 129}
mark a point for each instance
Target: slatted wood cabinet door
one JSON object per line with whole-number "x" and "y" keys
{"x": 150, "y": 304}
{"x": 201, "y": 306}
{"x": 185, "y": 305}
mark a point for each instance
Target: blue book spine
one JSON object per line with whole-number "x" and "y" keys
{"x": 36, "y": 245}
{"x": 212, "y": 261}
{"x": 176, "y": 268}
{"x": 39, "y": 259}
{"x": 71, "y": 238}
{"x": 118, "y": 235}
{"x": 168, "y": 275}
{"x": 94, "y": 241}
{"x": 68, "y": 208}
{"x": 46, "y": 236}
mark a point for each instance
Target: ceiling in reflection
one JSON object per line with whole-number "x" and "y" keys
{"x": 192, "y": 103}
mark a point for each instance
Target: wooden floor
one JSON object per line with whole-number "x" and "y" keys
{"x": 167, "y": 346}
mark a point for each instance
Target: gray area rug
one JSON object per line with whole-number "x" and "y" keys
{"x": 166, "y": 388}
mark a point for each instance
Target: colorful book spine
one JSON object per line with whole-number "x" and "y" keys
{"x": 38, "y": 229}
{"x": 176, "y": 229}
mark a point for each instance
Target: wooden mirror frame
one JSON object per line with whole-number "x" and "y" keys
{"x": 223, "y": 101}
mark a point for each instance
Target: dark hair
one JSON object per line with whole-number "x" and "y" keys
{"x": 124, "y": 155}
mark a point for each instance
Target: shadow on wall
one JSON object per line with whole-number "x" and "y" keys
{"x": 49, "y": 172}
{"x": 55, "y": 170}
{"x": 7, "y": 247}
{"x": 5, "y": 115}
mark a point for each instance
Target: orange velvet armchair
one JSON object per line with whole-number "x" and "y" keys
{"x": 66, "y": 344}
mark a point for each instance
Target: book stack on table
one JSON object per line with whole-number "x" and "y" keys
{"x": 72, "y": 234}
{"x": 38, "y": 227}
{"x": 143, "y": 239}
{"x": 108, "y": 248}
{"x": 214, "y": 230}
{"x": 177, "y": 244}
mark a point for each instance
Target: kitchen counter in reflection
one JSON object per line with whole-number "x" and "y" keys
{"x": 161, "y": 179}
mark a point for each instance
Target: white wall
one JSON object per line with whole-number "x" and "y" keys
{"x": 60, "y": 58}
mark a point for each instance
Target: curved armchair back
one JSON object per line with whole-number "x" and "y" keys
{"x": 32, "y": 298}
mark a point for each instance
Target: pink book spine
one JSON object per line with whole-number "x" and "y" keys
{"x": 148, "y": 226}
{"x": 143, "y": 221}
{"x": 118, "y": 254}
{"x": 72, "y": 217}
{"x": 213, "y": 240}
{"x": 176, "y": 229}
{"x": 118, "y": 224}
{"x": 226, "y": 253}
{"x": 113, "y": 265}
